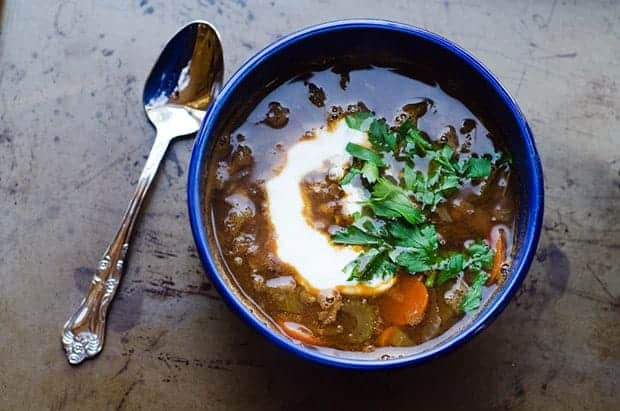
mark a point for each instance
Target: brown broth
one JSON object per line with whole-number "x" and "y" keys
{"x": 256, "y": 151}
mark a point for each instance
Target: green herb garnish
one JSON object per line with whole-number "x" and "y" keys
{"x": 481, "y": 256}
{"x": 390, "y": 201}
{"x": 381, "y": 137}
{"x": 451, "y": 267}
{"x": 350, "y": 176}
{"x": 353, "y": 235}
{"x": 472, "y": 298}
{"x": 478, "y": 167}
{"x": 393, "y": 228}
{"x": 365, "y": 154}
{"x": 373, "y": 263}
{"x": 359, "y": 121}
{"x": 370, "y": 172}
{"x": 416, "y": 247}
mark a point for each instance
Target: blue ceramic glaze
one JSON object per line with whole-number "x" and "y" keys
{"x": 392, "y": 41}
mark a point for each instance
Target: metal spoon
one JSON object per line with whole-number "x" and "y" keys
{"x": 184, "y": 80}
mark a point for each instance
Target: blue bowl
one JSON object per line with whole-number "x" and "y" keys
{"x": 394, "y": 42}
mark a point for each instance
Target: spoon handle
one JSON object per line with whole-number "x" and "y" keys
{"x": 84, "y": 333}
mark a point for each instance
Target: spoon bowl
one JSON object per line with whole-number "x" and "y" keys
{"x": 184, "y": 80}
{"x": 182, "y": 83}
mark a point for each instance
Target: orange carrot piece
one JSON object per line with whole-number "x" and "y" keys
{"x": 386, "y": 336}
{"x": 405, "y": 303}
{"x": 299, "y": 332}
{"x": 498, "y": 259}
{"x": 393, "y": 336}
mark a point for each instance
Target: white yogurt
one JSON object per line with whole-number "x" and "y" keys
{"x": 319, "y": 263}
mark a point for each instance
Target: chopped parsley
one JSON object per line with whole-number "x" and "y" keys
{"x": 381, "y": 137}
{"x": 478, "y": 167}
{"x": 451, "y": 268}
{"x": 393, "y": 228}
{"x": 365, "y": 154}
{"x": 353, "y": 235}
{"x": 390, "y": 201}
{"x": 350, "y": 176}
{"x": 481, "y": 256}
{"x": 360, "y": 120}
{"x": 371, "y": 264}
{"x": 472, "y": 298}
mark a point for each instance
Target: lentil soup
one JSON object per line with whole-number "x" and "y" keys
{"x": 361, "y": 208}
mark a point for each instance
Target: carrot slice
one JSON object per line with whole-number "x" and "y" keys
{"x": 498, "y": 259}
{"x": 386, "y": 336}
{"x": 405, "y": 303}
{"x": 299, "y": 332}
{"x": 393, "y": 336}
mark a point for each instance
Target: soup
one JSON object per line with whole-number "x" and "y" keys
{"x": 361, "y": 208}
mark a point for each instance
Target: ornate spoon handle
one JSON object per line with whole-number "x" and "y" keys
{"x": 84, "y": 333}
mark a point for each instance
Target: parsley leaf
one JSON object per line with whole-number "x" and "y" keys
{"x": 381, "y": 209}
{"x": 411, "y": 178}
{"x": 443, "y": 157}
{"x": 415, "y": 139}
{"x": 353, "y": 235}
{"x": 371, "y": 264}
{"x": 370, "y": 172}
{"x": 391, "y": 201}
{"x": 423, "y": 238}
{"x": 414, "y": 262}
{"x": 385, "y": 189}
{"x": 350, "y": 176}
{"x": 359, "y": 121}
{"x": 381, "y": 137}
{"x": 382, "y": 266}
{"x": 355, "y": 269}
{"x": 371, "y": 225}
{"x": 400, "y": 231}
{"x": 394, "y": 208}
{"x": 363, "y": 153}
{"x": 416, "y": 246}
{"x": 473, "y": 297}
{"x": 451, "y": 267}
{"x": 404, "y": 128}
{"x": 448, "y": 182}
{"x": 477, "y": 167}
{"x": 480, "y": 256}
{"x": 426, "y": 189}
{"x": 429, "y": 198}
{"x": 406, "y": 210}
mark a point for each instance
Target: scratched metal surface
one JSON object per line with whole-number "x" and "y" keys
{"x": 73, "y": 139}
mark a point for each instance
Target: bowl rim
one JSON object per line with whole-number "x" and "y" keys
{"x": 491, "y": 310}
